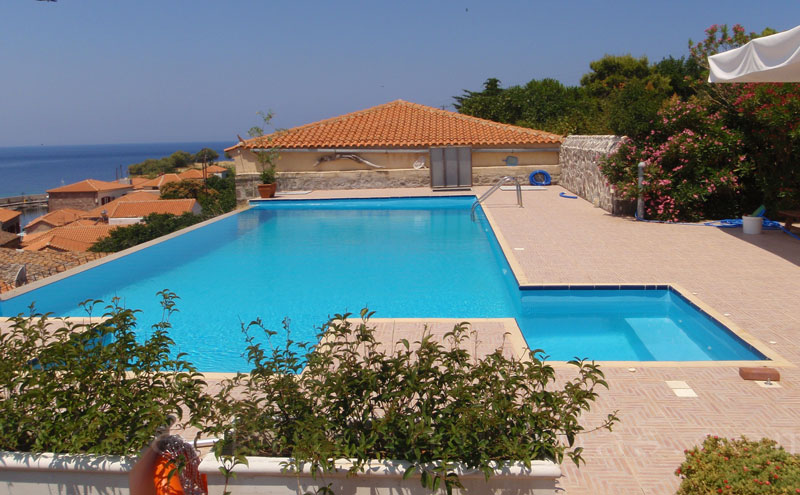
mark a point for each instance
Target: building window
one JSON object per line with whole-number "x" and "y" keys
{"x": 105, "y": 199}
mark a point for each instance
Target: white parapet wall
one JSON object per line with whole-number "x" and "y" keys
{"x": 48, "y": 474}
{"x": 267, "y": 475}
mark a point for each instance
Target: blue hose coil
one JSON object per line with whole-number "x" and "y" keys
{"x": 544, "y": 178}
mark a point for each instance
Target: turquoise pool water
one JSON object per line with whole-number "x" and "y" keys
{"x": 609, "y": 324}
{"x": 403, "y": 258}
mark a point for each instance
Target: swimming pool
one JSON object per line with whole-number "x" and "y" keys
{"x": 307, "y": 260}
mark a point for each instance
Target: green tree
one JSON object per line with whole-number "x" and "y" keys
{"x": 184, "y": 189}
{"x": 682, "y": 73}
{"x": 612, "y": 72}
{"x": 205, "y": 155}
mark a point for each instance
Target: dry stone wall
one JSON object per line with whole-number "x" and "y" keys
{"x": 580, "y": 172}
{"x": 247, "y": 184}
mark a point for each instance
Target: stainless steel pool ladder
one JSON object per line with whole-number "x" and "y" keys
{"x": 494, "y": 188}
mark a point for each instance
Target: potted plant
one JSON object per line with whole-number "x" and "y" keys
{"x": 266, "y": 157}
{"x": 268, "y": 186}
{"x": 353, "y": 413}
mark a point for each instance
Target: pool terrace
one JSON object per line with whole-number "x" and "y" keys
{"x": 750, "y": 281}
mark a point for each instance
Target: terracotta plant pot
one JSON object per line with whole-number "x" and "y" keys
{"x": 267, "y": 190}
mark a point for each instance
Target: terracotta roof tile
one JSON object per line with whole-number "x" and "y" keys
{"x": 37, "y": 264}
{"x": 135, "y": 181}
{"x": 401, "y": 124}
{"x": 190, "y": 174}
{"x": 67, "y": 238}
{"x": 57, "y": 218}
{"x": 136, "y": 209}
{"x": 97, "y": 211}
{"x": 90, "y": 185}
{"x": 7, "y": 215}
{"x": 159, "y": 181}
{"x": 216, "y": 169}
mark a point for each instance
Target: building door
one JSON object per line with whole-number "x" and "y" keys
{"x": 451, "y": 167}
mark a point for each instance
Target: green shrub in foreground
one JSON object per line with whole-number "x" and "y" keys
{"x": 430, "y": 403}
{"x": 91, "y": 388}
{"x": 740, "y": 467}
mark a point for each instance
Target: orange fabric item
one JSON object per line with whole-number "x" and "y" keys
{"x": 170, "y": 486}
{"x": 164, "y": 484}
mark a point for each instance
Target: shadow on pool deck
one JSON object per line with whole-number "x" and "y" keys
{"x": 775, "y": 241}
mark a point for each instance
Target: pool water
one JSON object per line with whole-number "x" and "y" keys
{"x": 403, "y": 258}
{"x": 657, "y": 324}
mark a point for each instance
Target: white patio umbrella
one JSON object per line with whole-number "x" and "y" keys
{"x": 774, "y": 58}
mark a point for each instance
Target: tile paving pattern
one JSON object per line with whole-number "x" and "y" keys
{"x": 754, "y": 278}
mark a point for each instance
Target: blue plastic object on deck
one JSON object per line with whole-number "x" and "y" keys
{"x": 568, "y": 196}
{"x": 539, "y": 178}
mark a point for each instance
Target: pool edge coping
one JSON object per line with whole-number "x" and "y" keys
{"x": 111, "y": 257}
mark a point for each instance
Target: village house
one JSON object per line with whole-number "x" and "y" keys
{"x": 130, "y": 212}
{"x": 71, "y": 237}
{"x": 86, "y": 194}
{"x": 52, "y": 219}
{"x": 133, "y": 207}
{"x": 9, "y": 220}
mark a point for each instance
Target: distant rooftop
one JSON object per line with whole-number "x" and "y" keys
{"x": 7, "y": 215}
{"x": 57, "y": 218}
{"x": 135, "y": 209}
{"x": 67, "y": 238}
{"x": 159, "y": 181}
{"x": 37, "y": 264}
{"x": 89, "y": 185}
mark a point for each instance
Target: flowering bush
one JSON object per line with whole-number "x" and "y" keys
{"x": 739, "y": 467}
{"x": 767, "y": 115}
{"x": 693, "y": 165}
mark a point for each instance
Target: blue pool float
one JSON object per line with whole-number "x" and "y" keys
{"x": 543, "y": 178}
{"x": 568, "y": 196}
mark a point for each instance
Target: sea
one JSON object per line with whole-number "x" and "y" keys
{"x": 35, "y": 169}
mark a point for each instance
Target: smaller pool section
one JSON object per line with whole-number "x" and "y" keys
{"x": 657, "y": 324}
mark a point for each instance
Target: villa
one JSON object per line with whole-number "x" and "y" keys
{"x": 398, "y": 144}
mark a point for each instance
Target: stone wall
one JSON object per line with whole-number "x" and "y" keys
{"x": 76, "y": 200}
{"x": 247, "y": 184}
{"x": 580, "y": 173}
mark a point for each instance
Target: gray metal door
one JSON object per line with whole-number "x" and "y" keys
{"x": 451, "y": 167}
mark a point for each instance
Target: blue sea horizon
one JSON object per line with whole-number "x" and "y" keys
{"x": 35, "y": 169}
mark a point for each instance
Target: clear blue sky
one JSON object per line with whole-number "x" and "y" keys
{"x": 114, "y": 71}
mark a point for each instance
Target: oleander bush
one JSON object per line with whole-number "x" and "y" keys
{"x": 95, "y": 388}
{"x": 739, "y": 466}
{"x": 430, "y": 403}
{"x": 694, "y": 165}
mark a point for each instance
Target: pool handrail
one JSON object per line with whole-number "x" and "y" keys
{"x": 494, "y": 188}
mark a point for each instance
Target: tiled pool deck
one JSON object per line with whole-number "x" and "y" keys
{"x": 753, "y": 279}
